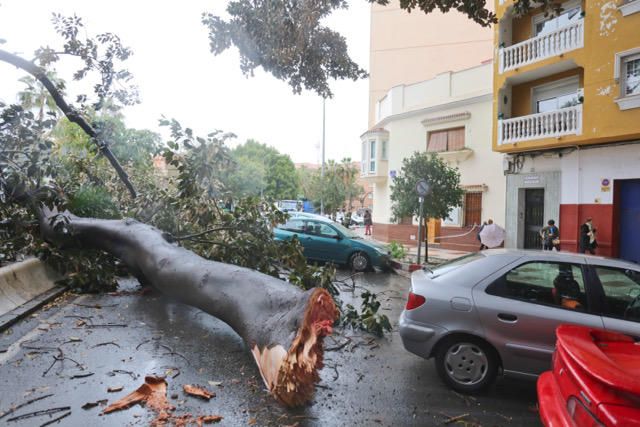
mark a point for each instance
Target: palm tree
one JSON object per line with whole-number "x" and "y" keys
{"x": 36, "y": 97}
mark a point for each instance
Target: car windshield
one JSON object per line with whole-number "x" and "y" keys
{"x": 455, "y": 263}
{"x": 347, "y": 232}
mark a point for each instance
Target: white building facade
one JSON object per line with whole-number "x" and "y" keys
{"x": 450, "y": 115}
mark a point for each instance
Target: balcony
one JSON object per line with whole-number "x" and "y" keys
{"x": 552, "y": 124}
{"x": 544, "y": 46}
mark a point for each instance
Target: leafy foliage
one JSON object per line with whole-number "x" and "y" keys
{"x": 444, "y": 181}
{"x": 398, "y": 251}
{"x": 369, "y": 319}
{"x": 261, "y": 170}
{"x": 337, "y": 189}
{"x": 286, "y": 38}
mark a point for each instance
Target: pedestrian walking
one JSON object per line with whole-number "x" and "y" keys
{"x": 550, "y": 236}
{"x": 368, "y": 222}
{"x": 588, "y": 241}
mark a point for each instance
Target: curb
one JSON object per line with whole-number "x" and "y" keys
{"x": 24, "y": 287}
{"x": 17, "y": 314}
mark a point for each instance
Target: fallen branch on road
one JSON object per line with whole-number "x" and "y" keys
{"x": 283, "y": 325}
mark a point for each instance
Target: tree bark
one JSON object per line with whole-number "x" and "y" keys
{"x": 282, "y": 325}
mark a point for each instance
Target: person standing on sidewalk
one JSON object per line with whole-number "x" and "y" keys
{"x": 368, "y": 222}
{"x": 588, "y": 237}
{"x": 550, "y": 237}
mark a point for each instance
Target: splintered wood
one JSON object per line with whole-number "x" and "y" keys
{"x": 291, "y": 375}
{"x": 153, "y": 393}
{"x": 198, "y": 391}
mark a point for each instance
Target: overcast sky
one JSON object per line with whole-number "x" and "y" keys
{"x": 179, "y": 77}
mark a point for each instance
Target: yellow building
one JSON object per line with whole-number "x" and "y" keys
{"x": 567, "y": 115}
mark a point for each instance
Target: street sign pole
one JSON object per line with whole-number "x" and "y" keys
{"x": 422, "y": 188}
{"x": 421, "y": 201}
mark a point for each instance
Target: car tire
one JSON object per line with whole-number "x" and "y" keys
{"x": 466, "y": 364}
{"x": 359, "y": 261}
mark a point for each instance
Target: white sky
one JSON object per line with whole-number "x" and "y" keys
{"x": 179, "y": 77}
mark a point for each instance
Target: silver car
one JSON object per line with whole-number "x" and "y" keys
{"x": 497, "y": 310}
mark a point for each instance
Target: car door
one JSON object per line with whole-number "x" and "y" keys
{"x": 521, "y": 306}
{"x": 326, "y": 241}
{"x": 620, "y": 297}
{"x": 302, "y": 230}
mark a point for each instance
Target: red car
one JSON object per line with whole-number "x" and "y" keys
{"x": 595, "y": 380}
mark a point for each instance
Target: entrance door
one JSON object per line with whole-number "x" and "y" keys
{"x": 533, "y": 217}
{"x": 630, "y": 220}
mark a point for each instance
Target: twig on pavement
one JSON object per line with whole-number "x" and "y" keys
{"x": 22, "y": 405}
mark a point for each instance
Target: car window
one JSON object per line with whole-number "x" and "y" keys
{"x": 324, "y": 230}
{"x": 293, "y": 224}
{"x": 622, "y": 292}
{"x": 550, "y": 283}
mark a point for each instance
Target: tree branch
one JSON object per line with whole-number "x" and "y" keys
{"x": 68, "y": 111}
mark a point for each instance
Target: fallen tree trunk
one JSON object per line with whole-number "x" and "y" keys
{"x": 282, "y": 325}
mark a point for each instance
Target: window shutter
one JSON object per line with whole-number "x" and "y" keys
{"x": 455, "y": 139}
{"x": 437, "y": 141}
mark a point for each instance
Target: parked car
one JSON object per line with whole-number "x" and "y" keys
{"x": 324, "y": 240}
{"x": 499, "y": 309}
{"x": 357, "y": 220}
{"x": 297, "y": 214}
{"x": 595, "y": 380}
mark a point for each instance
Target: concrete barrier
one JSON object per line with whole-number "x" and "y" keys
{"x": 23, "y": 282}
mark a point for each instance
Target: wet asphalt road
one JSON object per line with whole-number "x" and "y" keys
{"x": 367, "y": 382}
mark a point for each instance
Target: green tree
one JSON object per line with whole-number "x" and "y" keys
{"x": 287, "y": 39}
{"x": 337, "y": 189}
{"x": 444, "y": 181}
{"x": 35, "y": 96}
{"x": 261, "y": 170}
{"x": 349, "y": 174}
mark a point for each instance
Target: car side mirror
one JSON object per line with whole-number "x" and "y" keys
{"x": 338, "y": 237}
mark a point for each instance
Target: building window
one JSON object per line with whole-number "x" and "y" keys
{"x": 383, "y": 151}
{"x": 472, "y": 209}
{"x": 629, "y": 7}
{"x": 631, "y": 75}
{"x": 445, "y": 140}
{"x": 363, "y": 162}
{"x": 545, "y": 24}
{"x": 556, "y": 95}
{"x": 372, "y": 155}
{"x": 627, "y": 73}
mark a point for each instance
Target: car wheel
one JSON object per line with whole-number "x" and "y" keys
{"x": 359, "y": 261}
{"x": 466, "y": 364}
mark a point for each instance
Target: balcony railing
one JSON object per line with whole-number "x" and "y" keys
{"x": 566, "y": 121}
{"x": 554, "y": 43}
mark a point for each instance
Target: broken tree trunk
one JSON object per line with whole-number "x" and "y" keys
{"x": 282, "y": 325}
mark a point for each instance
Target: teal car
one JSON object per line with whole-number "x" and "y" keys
{"x": 327, "y": 241}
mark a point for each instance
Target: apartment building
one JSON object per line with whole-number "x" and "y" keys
{"x": 449, "y": 115}
{"x": 566, "y": 116}
{"x": 413, "y": 59}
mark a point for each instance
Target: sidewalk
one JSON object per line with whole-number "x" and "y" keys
{"x": 436, "y": 255}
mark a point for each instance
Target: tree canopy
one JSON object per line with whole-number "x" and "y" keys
{"x": 444, "y": 181}
{"x": 261, "y": 170}
{"x": 287, "y": 39}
